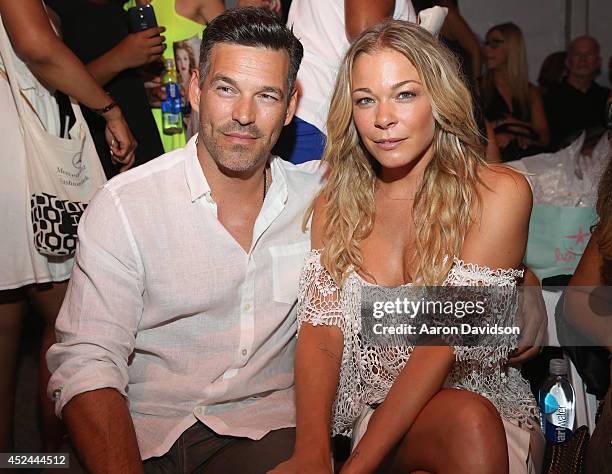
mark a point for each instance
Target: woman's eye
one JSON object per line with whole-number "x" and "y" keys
{"x": 364, "y": 101}
{"x": 406, "y": 95}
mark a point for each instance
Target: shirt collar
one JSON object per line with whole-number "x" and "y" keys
{"x": 198, "y": 186}
{"x": 196, "y": 181}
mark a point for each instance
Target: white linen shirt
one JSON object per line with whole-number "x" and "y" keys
{"x": 168, "y": 309}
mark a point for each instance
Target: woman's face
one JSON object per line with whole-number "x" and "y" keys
{"x": 391, "y": 109}
{"x": 496, "y": 50}
{"x": 182, "y": 62}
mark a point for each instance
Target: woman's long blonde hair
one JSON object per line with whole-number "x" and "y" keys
{"x": 445, "y": 198}
{"x": 518, "y": 71}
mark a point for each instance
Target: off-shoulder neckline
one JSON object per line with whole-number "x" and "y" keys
{"x": 458, "y": 265}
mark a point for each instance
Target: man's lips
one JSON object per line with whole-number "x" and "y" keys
{"x": 245, "y": 137}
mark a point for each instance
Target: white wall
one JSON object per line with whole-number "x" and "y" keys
{"x": 600, "y": 27}
{"x": 547, "y": 24}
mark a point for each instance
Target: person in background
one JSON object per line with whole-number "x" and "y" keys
{"x": 409, "y": 202}
{"x": 185, "y": 64}
{"x": 457, "y": 35}
{"x": 25, "y": 274}
{"x": 587, "y": 307}
{"x": 578, "y": 102}
{"x": 326, "y": 34}
{"x": 552, "y": 71}
{"x": 183, "y": 20}
{"x": 98, "y": 32}
{"x": 512, "y": 105}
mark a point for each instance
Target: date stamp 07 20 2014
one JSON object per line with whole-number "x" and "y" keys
{"x": 34, "y": 460}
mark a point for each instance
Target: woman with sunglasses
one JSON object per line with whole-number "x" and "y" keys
{"x": 512, "y": 105}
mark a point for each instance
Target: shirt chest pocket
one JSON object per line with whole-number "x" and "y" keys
{"x": 287, "y": 263}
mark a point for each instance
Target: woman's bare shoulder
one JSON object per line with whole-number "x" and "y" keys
{"x": 501, "y": 185}
{"x": 498, "y": 234}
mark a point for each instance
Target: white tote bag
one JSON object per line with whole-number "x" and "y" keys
{"x": 63, "y": 173}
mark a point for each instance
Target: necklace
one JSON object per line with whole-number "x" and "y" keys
{"x": 265, "y": 184}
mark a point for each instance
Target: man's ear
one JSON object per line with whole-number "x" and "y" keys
{"x": 194, "y": 90}
{"x": 292, "y": 106}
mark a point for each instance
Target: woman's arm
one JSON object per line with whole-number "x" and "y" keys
{"x": 420, "y": 379}
{"x": 497, "y": 239}
{"x": 136, "y": 49}
{"x": 586, "y": 305}
{"x": 317, "y": 369}
{"x": 538, "y": 116}
{"x": 456, "y": 28}
{"x": 492, "y": 150}
{"x": 53, "y": 63}
{"x": 361, "y": 14}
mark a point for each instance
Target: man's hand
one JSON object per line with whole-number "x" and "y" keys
{"x": 532, "y": 319}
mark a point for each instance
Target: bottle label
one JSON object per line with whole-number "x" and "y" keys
{"x": 557, "y": 434}
{"x": 556, "y": 420}
{"x": 172, "y": 103}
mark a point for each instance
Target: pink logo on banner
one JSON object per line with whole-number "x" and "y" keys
{"x": 571, "y": 255}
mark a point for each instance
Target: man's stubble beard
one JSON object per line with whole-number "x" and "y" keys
{"x": 235, "y": 158}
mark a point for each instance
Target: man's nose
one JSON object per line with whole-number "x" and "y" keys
{"x": 244, "y": 111}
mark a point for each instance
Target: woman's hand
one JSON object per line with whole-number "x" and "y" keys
{"x": 120, "y": 139}
{"x": 300, "y": 464}
{"x": 144, "y": 47}
{"x": 355, "y": 464}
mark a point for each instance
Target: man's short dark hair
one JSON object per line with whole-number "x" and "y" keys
{"x": 251, "y": 26}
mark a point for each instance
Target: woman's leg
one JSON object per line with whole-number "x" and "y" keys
{"x": 456, "y": 432}
{"x": 11, "y": 316}
{"x": 47, "y": 300}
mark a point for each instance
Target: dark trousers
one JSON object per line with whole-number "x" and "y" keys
{"x": 201, "y": 450}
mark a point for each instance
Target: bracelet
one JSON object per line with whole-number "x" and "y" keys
{"x": 106, "y": 108}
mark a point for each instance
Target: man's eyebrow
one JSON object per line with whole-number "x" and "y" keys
{"x": 274, "y": 90}
{"x": 232, "y": 82}
{"x": 394, "y": 86}
{"x": 222, "y": 78}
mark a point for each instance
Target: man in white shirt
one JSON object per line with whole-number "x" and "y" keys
{"x": 176, "y": 337}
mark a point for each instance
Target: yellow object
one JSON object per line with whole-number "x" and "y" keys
{"x": 178, "y": 28}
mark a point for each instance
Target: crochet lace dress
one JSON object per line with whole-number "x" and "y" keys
{"x": 368, "y": 371}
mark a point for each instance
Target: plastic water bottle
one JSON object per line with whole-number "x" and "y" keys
{"x": 172, "y": 120}
{"x": 557, "y": 403}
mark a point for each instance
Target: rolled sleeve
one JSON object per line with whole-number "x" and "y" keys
{"x": 96, "y": 326}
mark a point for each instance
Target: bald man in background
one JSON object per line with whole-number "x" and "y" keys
{"x": 578, "y": 102}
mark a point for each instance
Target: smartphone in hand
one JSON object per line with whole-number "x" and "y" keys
{"x": 142, "y": 18}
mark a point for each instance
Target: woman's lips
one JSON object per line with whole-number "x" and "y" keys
{"x": 389, "y": 143}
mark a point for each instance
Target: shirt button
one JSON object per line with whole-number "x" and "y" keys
{"x": 247, "y": 307}
{"x": 244, "y": 352}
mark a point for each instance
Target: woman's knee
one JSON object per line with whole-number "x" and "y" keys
{"x": 476, "y": 413}
{"x": 476, "y": 436}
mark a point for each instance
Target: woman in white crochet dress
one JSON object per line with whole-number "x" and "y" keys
{"x": 409, "y": 199}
